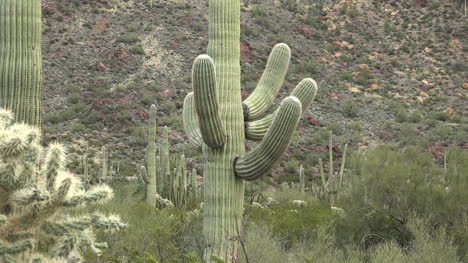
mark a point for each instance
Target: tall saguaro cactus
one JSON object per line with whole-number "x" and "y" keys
{"x": 21, "y": 59}
{"x": 151, "y": 158}
{"x": 223, "y": 122}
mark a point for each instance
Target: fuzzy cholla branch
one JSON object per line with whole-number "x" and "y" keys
{"x": 41, "y": 194}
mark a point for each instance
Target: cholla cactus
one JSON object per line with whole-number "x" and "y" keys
{"x": 30, "y": 199}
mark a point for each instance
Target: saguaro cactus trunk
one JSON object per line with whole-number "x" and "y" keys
{"x": 21, "y": 59}
{"x": 223, "y": 122}
{"x": 151, "y": 159}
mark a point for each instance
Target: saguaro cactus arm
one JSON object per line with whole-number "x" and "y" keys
{"x": 270, "y": 83}
{"x": 259, "y": 161}
{"x": 143, "y": 175}
{"x": 305, "y": 91}
{"x": 190, "y": 119}
{"x": 206, "y": 102}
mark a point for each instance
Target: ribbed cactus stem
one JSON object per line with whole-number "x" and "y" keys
{"x": 343, "y": 161}
{"x": 182, "y": 181}
{"x": 260, "y": 161}
{"x": 144, "y": 175}
{"x": 194, "y": 184}
{"x": 330, "y": 155}
{"x": 151, "y": 158}
{"x": 21, "y": 59}
{"x": 302, "y": 178}
{"x": 270, "y": 83}
{"x": 305, "y": 91}
{"x": 104, "y": 163}
{"x": 86, "y": 166}
{"x": 206, "y": 102}
{"x": 165, "y": 164}
{"x": 190, "y": 119}
{"x": 322, "y": 177}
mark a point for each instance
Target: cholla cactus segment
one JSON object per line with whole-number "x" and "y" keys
{"x": 107, "y": 222}
{"x": 162, "y": 202}
{"x": 299, "y": 203}
{"x": 96, "y": 194}
{"x": 16, "y": 140}
{"x": 15, "y": 248}
{"x": 41, "y": 195}
{"x": 29, "y": 195}
{"x": 63, "y": 178}
{"x": 54, "y": 163}
{"x": 6, "y": 118}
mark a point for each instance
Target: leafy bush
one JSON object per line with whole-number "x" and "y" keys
{"x": 289, "y": 222}
{"x": 167, "y": 235}
{"x": 388, "y": 185}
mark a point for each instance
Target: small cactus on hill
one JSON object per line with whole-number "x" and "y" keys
{"x": 165, "y": 175}
{"x": 331, "y": 184}
{"x": 31, "y": 199}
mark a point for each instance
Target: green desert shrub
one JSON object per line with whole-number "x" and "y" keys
{"x": 262, "y": 246}
{"x": 388, "y": 184}
{"x": 166, "y": 235}
{"x": 290, "y": 222}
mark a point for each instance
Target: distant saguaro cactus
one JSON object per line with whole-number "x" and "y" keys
{"x": 221, "y": 123}
{"x": 21, "y": 59}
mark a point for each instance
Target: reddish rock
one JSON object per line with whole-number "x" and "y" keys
{"x": 386, "y": 136}
{"x": 100, "y": 25}
{"x": 187, "y": 19}
{"x": 320, "y": 149}
{"x": 244, "y": 94}
{"x": 437, "y": 150}
{"x": 101, "y": 67}
{"x": 245, "y": 50}
{"x": 98, "y": 104}
{"x": 313, "y": 121}
{"x": 167, "y": 93}
{"x": 121, "y": 56}
{"x": 305, "y": 30}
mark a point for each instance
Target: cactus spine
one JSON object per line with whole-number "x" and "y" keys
{"x": 224, "y": 121}
{"x": 21, "y": 59}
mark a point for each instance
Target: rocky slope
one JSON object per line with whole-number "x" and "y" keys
{"x": 388, "y": 71}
